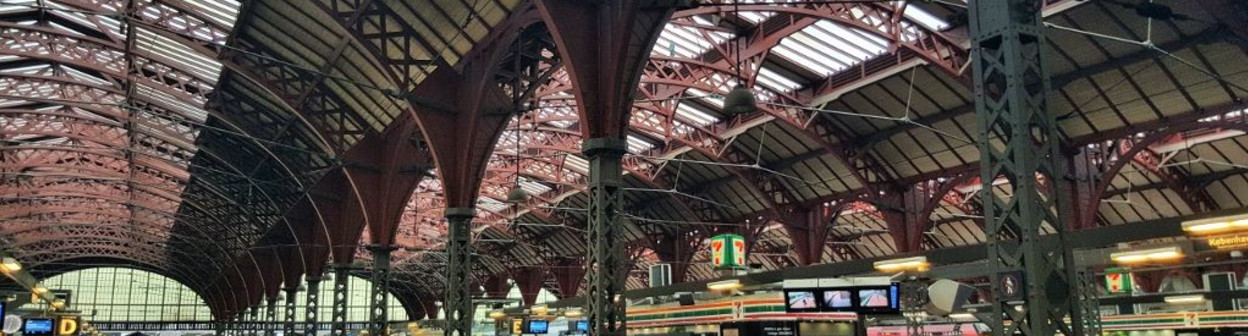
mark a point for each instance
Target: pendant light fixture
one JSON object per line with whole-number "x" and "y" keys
{"x": 517, "y": 195}
{"x": 741, "y": 99}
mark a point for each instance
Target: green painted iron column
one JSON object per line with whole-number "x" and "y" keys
{"x": 606, "y": 263}
{"x": 342, "y": 274}
{"x": 1018, "y": 140}
{"x": 313, "y": 303}
{"x": 458, "y": 304}
{"x": 379, "y": 306}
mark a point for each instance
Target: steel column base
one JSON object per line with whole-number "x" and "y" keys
{"x": 458, "y": 305}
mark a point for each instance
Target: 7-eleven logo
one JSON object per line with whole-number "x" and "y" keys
{"x": 717, "y": 252}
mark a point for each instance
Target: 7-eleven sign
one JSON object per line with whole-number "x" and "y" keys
{"x": 1118, "y": 280}
{"x": 728, "y": 251}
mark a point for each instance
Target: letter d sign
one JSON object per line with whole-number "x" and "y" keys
{"x": 67, "y": 326}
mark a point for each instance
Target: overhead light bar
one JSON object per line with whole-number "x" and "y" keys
{"x": 10, "y": 265}
{"x": 39, "y": 289}
{"x": 919, "y": 264}
{"x": 1216, "y": 225}
{"x": 1150, "y": 255}
{"x": 962, "y": 316}
{"x": 723, "y": 285}
{"x": 497, "y": 314}
{"x": 539, "y": 309}
{"x": 573, "y": 313}
{"x": 1185, "y": 299}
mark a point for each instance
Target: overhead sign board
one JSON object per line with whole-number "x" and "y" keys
{"x": 728, "y": 251}
{"x": 67, "y": 326}
{"x": 1118, "y": 280}
{"x": 1229, "y": 242}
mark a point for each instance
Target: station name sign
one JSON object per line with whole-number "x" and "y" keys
{"x": 1228, "y": 242}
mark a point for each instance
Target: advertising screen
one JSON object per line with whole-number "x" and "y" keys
{"x": 37, "y": 326}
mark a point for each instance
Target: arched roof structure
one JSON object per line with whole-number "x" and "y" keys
{"x": 264, "y": 140}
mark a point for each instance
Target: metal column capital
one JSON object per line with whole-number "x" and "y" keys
{"x": 459, "y": 213}
{"x": 604, "y": 146}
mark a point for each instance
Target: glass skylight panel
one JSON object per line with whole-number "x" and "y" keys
{"x": 925, "y": 18}
{"x": 695, "y": 115}
{"x": 682, "y": 41}
{"x": 193, "y": 112}
{"x": 713, "y": 100}
{"x": 775, "y": 81}
{"x": 533, "y": 187}
{"x": 111, "y": 25}
{"x": 575, "y": 163}
{"x": 827, "y": 47}
{"x": 491, "y": 204}
{"x": 224, "y": 12}
{"x": 15, "y": 6}
{"x": 637, "y": 145}
{"x": 181, "y": 56}
{"x": 85, "y": 77}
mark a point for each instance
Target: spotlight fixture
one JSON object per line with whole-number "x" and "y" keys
{"x": 918, "y": 264}
{"x": 1150, "y": 255}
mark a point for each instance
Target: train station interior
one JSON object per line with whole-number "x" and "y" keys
{"x": 623, "y": 167}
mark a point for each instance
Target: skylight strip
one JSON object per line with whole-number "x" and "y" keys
{"x": 798, "y": 53}
{"x": 823, "y": 53}
{"x": 775, "y": 81}
{"x": 925, "y": 18}
{"x": 834, "y": 39}
{"x": 694, "y": 114}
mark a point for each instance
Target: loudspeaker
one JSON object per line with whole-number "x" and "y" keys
{"x": 947, "y": 296}
{"x": 685, "y": 299}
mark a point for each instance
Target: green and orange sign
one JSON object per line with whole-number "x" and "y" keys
{"x": 1118, "y": 280}
{"x": 728, "y": 251}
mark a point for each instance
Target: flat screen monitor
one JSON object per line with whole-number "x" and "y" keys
{"x": 878, "y": 299}
{"x": 37, "y": 327}
{"x": 801, "y": 300}
{"x": 838, "y": 299}
{"x": 582, "y": 326}
{"x": 537, "y": 327}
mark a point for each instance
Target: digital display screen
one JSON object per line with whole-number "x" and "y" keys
{"x": 37, "y": 326}
{"x": 582, "y": 326}
{"x": 838, "y": 299}
{"x": 538, "y": 326}
{"x": 801, "y": 300}
{"x": 874, "y": 298}
{"x": 878, "y": 299}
